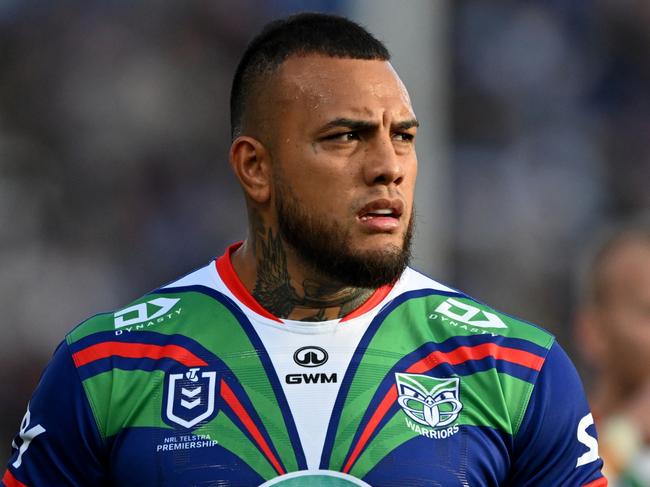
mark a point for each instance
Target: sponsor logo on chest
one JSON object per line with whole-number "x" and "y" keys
{"x": 311, "y": 356}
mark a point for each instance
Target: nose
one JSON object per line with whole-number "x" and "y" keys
{"x": 382, "y": 164}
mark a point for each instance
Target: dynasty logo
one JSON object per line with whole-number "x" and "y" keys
{"x": 144, "y": 315}
{"x": 431, "y": 402}
{"x": 465, "y": 316}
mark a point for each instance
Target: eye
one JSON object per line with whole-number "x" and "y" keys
{"x": 342, "y": 136}
{"x": 403, "y": 137}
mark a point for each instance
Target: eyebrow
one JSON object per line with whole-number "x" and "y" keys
{"x": 407, "y": 124}
{"x": 354, "y": 124}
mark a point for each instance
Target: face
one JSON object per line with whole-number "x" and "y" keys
{"x": 624, "y": 312}
{"x": 344, "y": 165}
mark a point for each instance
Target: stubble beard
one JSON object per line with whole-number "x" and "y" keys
{"x": 326, "y": 247}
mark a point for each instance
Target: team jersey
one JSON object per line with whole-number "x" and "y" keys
{"x": 195, "y": 384}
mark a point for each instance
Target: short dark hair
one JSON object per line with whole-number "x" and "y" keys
{"x": 301, "y": 34}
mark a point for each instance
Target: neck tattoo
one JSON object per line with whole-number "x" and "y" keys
{"x": 274, "y": 290}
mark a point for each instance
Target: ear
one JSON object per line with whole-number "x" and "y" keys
{"x": 251, "y": 162}
{"x": 590, "y": 337}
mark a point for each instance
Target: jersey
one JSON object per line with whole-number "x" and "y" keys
{"x": 195, "y": 384}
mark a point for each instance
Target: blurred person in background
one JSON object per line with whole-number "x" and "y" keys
{"x": 311, "y": 349}
{"x": 613, "y": 336}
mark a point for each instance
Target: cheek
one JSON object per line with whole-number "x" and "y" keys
{"x": 327, "y": 190}
{"x": 335, "y": 203}
{"x": 321, "y": 195}
{"x": 410, "y": 176}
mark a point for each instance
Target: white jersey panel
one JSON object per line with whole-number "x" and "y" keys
{"x": 310, "y": 358}
{"x": 311, "y": 387}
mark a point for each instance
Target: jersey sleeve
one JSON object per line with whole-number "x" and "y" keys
{"x": 58, "y": 442}
{"x": 557, "y": 442}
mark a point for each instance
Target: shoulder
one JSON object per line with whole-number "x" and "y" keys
{"x": 162, "y": 310}
{"x": 451, "y": 313}
{"x": 132, "y": 349}
{"x": 557, "y": 442}
{"x": 490, "y": 351}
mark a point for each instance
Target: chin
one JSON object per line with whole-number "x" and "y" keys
{"x": 379, "y": 243}
{"x": 376, "y": 249}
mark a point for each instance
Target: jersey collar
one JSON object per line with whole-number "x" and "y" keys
{"x": 230, "y": 278}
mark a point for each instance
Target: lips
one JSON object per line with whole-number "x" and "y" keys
{"x": 381, "y": 208}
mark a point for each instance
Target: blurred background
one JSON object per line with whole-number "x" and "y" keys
{"x": 114, "y": 133}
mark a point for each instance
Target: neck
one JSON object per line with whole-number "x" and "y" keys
{"x": 284, "y": 286}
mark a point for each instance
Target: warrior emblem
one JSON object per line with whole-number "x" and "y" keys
{"x": 430, "y": 401}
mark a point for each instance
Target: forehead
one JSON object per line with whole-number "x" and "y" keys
{"x": 319, "y": 85}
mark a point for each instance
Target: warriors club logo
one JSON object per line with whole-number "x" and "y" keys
{"x": 190, "y": 398}
{"x": 429, "y": 401}
{"x": 310, "y": 356}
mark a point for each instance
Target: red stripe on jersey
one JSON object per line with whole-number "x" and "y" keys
{"x": 601, "y": 482}
{"x": 376, "y": 418}
{"x": 232, "y": 282}
{"x": 136, "y": 350}
{"x": 478, "y": 352}
{"x": 232, "y": 401}
{"x": 10, "y": 481}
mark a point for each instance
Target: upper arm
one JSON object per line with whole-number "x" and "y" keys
{"x": 58, "y": 442}
{"x": 557, "y": 441}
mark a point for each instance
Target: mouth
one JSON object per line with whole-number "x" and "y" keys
{"x": 381, "y": 214}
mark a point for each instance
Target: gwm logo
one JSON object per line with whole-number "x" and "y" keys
{"x": 310, "y": 378}
{"x": 190, "y": 397}
{"x": 429, "y": 401}
{"x": 310, "y": 356}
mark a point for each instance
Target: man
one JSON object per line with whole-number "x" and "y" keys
{"x": 310, "y": 354}
{"x": 613, "y": 329}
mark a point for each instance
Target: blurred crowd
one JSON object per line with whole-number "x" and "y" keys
{"x": 551, "y": 112}
{"x": 114, "y": 177}
{"x": 551, "y": 117}
{"x": 114, "y": 137}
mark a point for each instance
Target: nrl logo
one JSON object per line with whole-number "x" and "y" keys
{"x": 429, "y": 401}
{"x": 190, "y": 397}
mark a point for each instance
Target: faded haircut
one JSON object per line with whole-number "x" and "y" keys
{"x": 299, "y": 35}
